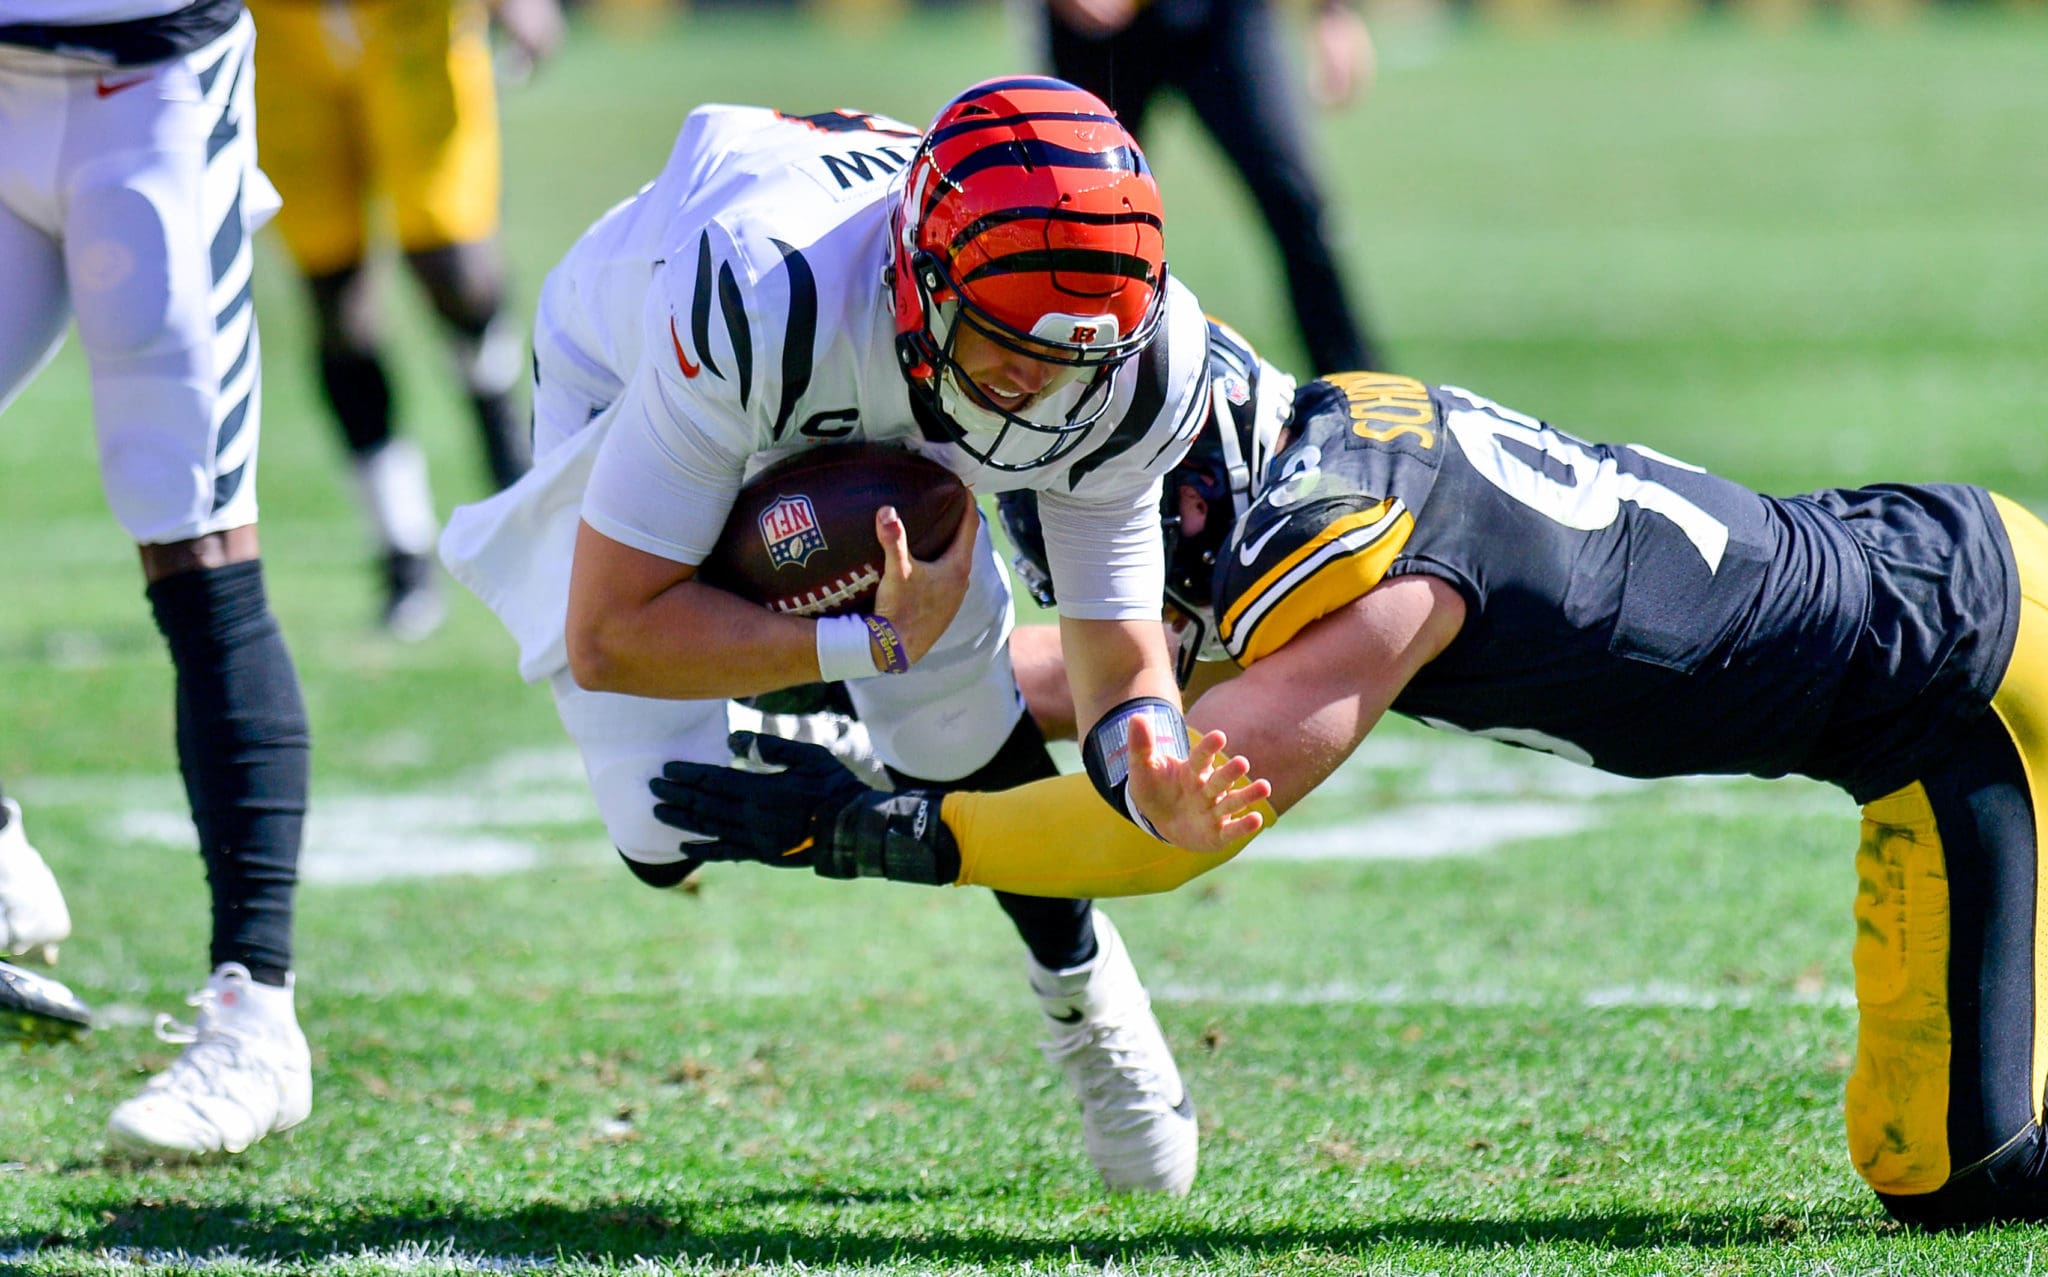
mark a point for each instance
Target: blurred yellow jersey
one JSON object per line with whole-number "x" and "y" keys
{"x": 365, "y": 99}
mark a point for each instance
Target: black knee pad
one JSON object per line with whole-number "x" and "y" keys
{"x": 464, "y": 282}
{"x": 359, "y": 393}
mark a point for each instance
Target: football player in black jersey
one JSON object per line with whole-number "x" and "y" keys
{"x": 1372, "y": 543}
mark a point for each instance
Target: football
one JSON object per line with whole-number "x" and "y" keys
{"x": 801, "y": 535}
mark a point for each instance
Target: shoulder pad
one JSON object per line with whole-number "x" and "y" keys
{"x": 1311, "y": 544}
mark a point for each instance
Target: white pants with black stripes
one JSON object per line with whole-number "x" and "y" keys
{"x": 127, "y": 199}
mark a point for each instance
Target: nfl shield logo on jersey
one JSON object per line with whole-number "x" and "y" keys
{"x": 790, "y": 529}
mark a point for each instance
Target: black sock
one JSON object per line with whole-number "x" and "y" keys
{"x": 359, "y": 392}
{"x": 243, "y": 742}
{"x": 507, "y": 436}
{"x": 1060, "y": 933}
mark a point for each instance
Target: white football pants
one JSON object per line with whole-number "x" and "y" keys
{"x": 128, "y": 197}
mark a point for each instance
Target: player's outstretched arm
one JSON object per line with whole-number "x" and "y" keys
{"x": 1307, "y": 706}
{"x": 1050, "y": 838}
{"x": 1300, "y": 711}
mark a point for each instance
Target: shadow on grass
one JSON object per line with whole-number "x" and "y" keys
{"x": 727, "y": 1228}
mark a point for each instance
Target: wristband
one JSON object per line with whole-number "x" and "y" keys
{"x": 895, "y": 658}
{"x": 1106, "y": 754}
{"x": 844, "y": 653}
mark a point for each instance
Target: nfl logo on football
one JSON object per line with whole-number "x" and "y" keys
{"x": 790, "y": 529}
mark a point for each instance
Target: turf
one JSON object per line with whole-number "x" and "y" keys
{"x": 1604, "y": 1031}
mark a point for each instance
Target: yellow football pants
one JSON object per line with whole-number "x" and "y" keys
{"x": 1944, "y": 1104}
{"x": 359, "y": 99}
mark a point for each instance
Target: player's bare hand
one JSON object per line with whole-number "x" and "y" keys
{"x": 920, "y": 597}
{"x": 1095, "y": 18}
{"x": 1203, "y": 802}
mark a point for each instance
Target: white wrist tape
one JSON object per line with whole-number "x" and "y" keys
{"x": 844, "y": 653}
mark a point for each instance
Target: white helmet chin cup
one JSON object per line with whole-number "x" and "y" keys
{"x": 964, "y": 410}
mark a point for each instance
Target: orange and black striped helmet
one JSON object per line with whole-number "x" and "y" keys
{"x": 1029, "y": 214}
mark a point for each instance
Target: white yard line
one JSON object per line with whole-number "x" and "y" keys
{"x": 1626, "y": 997}
{"x": 1425, "y": 831}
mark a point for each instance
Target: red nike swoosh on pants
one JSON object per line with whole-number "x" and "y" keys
{"x": 682, "y": 360}
{"x": 107, "y": 90}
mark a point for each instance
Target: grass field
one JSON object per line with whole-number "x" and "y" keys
{"x": 1470, "y": 1011}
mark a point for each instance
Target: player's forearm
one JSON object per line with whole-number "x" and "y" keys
{"x": 1110, "y": 662}
{"x": 692, "y": 642}
{"x": 1055, "y": 838}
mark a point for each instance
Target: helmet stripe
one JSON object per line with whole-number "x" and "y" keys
{"x": 1066, "y": 261}
{"x": 1034, "y": 153}
{"x": 979, "y": 122}
{"x": 988, "y": 222}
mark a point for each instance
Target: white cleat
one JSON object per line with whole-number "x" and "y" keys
{"x": 33, "y": 919}
{"x": 245, "y": 1073}
{"x": 1136, "y": 1115}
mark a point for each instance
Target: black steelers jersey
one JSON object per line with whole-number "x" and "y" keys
{"x": 1625, "y": 609}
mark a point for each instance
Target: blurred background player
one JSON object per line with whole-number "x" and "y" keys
{"x": 1225, "y": 58}
{"x": 393, "y": 99}
{"x": 128, "y": 191}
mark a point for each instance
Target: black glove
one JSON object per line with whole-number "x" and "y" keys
{"x": 811, "y": 813}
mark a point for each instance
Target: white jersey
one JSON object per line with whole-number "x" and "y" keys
{"x": 738, "y": 303}
{"x": 63, "y": 35}
{"x": 85, "y": 13}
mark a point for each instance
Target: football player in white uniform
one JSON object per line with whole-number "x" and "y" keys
{"x": 128, "y": 191}
{"x": 991, "y": 293}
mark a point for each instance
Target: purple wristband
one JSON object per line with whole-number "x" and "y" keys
{"x": 895, "y": 660}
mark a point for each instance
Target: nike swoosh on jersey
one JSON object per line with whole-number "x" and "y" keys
{"x": 106, "y": 90}
{"x": 1250, "y": 550}
{"x": 682, "y": 360}
{"x": 1071, "y": 1017}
